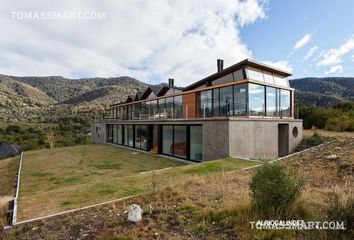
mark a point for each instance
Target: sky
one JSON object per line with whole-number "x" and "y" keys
{"x": 181, "y": 39}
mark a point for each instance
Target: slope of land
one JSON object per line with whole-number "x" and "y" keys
{"x": 323, "y": 91}
{"x": 212, "y": 206}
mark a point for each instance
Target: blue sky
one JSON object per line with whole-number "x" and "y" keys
{"x": 329, "y": 23}
{"x": 181, "y": 39}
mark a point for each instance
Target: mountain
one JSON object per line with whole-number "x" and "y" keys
{"x": 323, "y": 91}
{"x": 40, "y": 98}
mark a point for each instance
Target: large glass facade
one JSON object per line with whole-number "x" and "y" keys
{"x": 169, "y": 107}
{"x": 271, "y": 101}
{"x": 128, "y": 135}
{"x": 240, "y": 99}
{"x": 284, "y": 103}
{"x": 180, "y": 141}
{"x": 196, "y": 143}
{"x": 256, "y": 99}
{"x": 205, "y": 109}
{"x": 226, "y": 101}
{"x": 115, "y": 134}
{"x": 167, "y": 139}
{"x": 178, "y": 107}
{"x": 216, "y": 102}
{"x": 141, "y": 136}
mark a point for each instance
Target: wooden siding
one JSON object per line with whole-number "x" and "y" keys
{"x": 189, "y": 102}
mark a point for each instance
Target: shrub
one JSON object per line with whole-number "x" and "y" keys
{"x": 340, "y": 206}
{"x": 273, "y": 188}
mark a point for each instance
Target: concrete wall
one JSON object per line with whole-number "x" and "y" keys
{"x": 254, "y": 139}
{"x": 294, "y": 141}
{"x": 258, "y": 139}
{"x": 98, "y": 133}
{"x": 215, "y": 140}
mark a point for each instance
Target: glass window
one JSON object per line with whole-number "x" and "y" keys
{"x": 141, "y": 136}
{"x": 282, "y": 81}
{"x": 178, "y": 107}
{"x": 284, "y": 103}
{"x": 144, "y": 111}
{"x": 271, "y": 102}
{"x": 224, "y": 79}
{"x": 196, "y": 143}
{"x": 216, "y": 102}
{"x": 136, "y": 111}
{"x": 110, "y": 133}
{"x": 153, "y": 109}
{"x": 115, "y": 134}
{"x": 162, "y": 108}
{"x": 151, "y": 95}
{"x": 238, "y": 75}
{"x": 167, "y": 140}
{"x": 205, "y": 109}
{"x": 240, "y": 99}
{"x": 125, "y": 114}
{"x": 128, "y": 135}
{"x": 268, "y": 77}
{"x": 120, "y": 134}
{"x": 256, "y": 100}
{"x": 180, "y": 144}
{"x": 226, "y": 101}
{"x": 255, "y": 75}
{"x": 169, "y": 107}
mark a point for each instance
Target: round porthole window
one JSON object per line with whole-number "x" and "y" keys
{"x": 295, "y": 132}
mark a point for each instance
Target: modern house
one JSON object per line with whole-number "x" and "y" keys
{"x": 245, "y": 110}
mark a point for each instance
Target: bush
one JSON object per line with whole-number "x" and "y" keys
{"x": 273, "y": 188}
{"x": 340, "y": 206}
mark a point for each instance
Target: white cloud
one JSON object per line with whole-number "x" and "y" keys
{"x": 310, "y": 53}
{"x": 282, "y": 64}
{"x": 335, "y": 55}
{"x": 143, "y": 39}
{"x": 302, "y": 42}
{"x": 335, "y": 69}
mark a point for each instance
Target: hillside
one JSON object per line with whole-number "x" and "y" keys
{"x": 27, "y": 98}
{"x": 323, "y": 91}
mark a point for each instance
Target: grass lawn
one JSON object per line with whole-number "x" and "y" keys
{"x": 66, "y": 178}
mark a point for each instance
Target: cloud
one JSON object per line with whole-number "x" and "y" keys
{"x": 148, "y": 40}
{"x": 282, "y": 64}
{"x": 310, "y": 53}
{"x": 335, "y": 69}
{"x": 335, "y": 55}
{"x": 302, "y": 42}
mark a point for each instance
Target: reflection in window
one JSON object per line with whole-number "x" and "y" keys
{"x": 110, "y": 133}
{"x": 196, "y": 143}
{"x": 141, "y": 137}
{"x": 268, "y": 77}
{"x": 115, "y": 134}
{"x": 224, "y": 79}
{"x": 255, "y": 75}
{"x": 205, "y": 104}
{"x": 282, "y": 81}
{"x": 284, "y": 103}
{"x": 167, "y": 140}
{"x": 178, "y": 107}
{"x": 226, "y": 101}
{"x": 238, "y": 75}
{"x": 128, "y": 135}
{"x": 179, "y": 144}
{"x": 216, "y": 102}
{"x": 169, "y": 107}
{"x": 271, "y": 102}
{"x": 120, "y": 134}
{"x": 144, "y": 111}
{"x": 153, "y": 110}
{"x": 256, "y": 100}
{"x": 240, "y": 99}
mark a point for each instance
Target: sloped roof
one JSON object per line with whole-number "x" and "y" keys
{"x": 9, "y": 149}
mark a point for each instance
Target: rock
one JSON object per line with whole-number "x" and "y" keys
{"x": 332, "y": 157}
{"x": 134, "y": 213}
{"x": 338, "y": 148}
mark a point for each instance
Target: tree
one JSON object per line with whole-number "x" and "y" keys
{"x": 50, "y": 138}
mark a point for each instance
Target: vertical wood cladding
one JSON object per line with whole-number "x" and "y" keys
{"x": 189, "y": 102}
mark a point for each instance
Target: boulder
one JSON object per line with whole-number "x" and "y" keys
{"x": 135, "y": 213}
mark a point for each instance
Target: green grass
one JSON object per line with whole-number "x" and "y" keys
{"x": 71, "y": 177}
